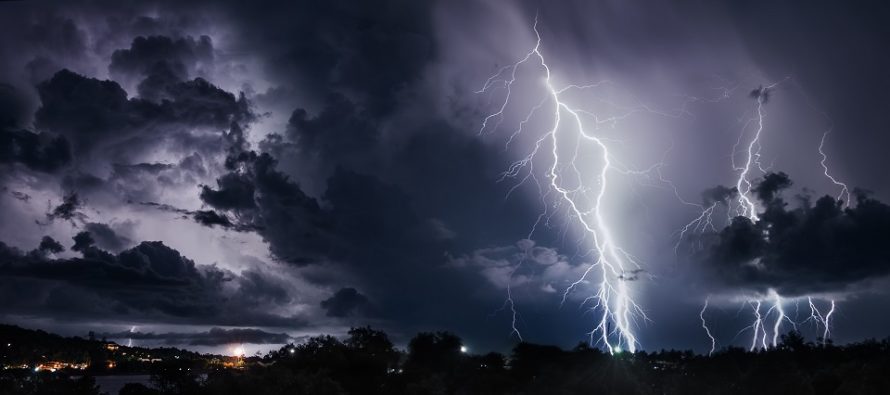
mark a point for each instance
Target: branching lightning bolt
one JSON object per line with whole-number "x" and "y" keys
{"x": 747, "y": 208}
{"x": 614, "y": 302}
{"x": 563, "y": 181}
{"x": 752, "y": 156}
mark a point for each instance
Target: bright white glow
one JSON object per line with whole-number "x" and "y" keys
{"x": 464, "y": 349}
{"x": 567, "y": 132}
{"x": 747, "y": 208}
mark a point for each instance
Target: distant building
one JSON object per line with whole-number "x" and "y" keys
{"x": 53, "y": 366}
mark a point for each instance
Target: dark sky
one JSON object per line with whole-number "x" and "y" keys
{"x": 218, "y": 173}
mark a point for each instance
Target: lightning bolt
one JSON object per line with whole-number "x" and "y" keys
{"x": 825, "y": 320}
{"x": 780, "y": 316}
{"x": 757, "y": 326}
{"x": 584, "y": 203}
{"x": 752, "y": 155}
{"x": 509, "y": 303}
{"x": 747, "y": 208}
{"x": 844, "y": 194}
{"x": 827, "y": 333}
{"x": 130, "y": 341}
{"x": 704, "y": 325}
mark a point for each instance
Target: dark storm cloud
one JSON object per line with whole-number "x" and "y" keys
{"x": 84, "y": 109}
{"x": 160, "y": 61}
{"x": 354, "y": 63}
{"x": 821, "y": 247}
{"x": 69, "y": 209}
{"x": 106, "y": 238}
{"x": 378, "y": 211}
{"x": 212, "y": 218}
{"x": 262, "y": 197}
{"x": 365, "y": 184}
{"x": 83, "y": 242}
{"x": 12, "y": 108}
{"x": 345, "y": 302}
{"x": 46, "y": 40}
{"x": 41, "y": 152}
{"x": 36, "y": 151}
{"x": 372, "y": 229}
{"x": 340, "y": 134}
{"x": 361, "y": 212}
{"x": 148, "y": 282}
{"x": 769, "y": 187}
{"x": 212, "y": 337}
{"x": 48, "y": 244}
{"x": 367, "y": 51}
{"x": 94, "y": 113}
{"x": 58, "y": 34}
{"x": 234, "y": 192}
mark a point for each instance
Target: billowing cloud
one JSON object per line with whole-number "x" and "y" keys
{"x": 351, "y": 160}
{"x": 345, "y": 302}
{"x": 158, "y": 62}
{"x": 814, "y": 248}
{"x": 37, "y": 151}
{"x": 106, "y": 237}
{"x": 93, "y": 113}
{"x": 150, "y": 281}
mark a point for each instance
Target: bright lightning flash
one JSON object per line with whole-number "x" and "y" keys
{"x": 584, "y": 198}
{"x": 704, "y": 325}
{"x": 746, "y": 207}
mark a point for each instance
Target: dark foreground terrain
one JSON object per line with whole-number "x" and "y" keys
{"x": 366, "y": 362}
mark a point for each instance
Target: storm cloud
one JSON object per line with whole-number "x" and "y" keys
{"x": 818, "y": 247}
{"x": 313, "y": 165}
{"x": 148, "y": 281}
{"x": 344, "y": 302}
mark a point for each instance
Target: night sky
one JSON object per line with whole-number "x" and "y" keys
{"x": 218, "y": 173}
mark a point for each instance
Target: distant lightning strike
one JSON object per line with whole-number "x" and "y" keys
{"x": 826, "y": 334}
{"x": 748, "y": 209}
{"x": 844, "y": 194}
{"x": 704, "y": 325}
{"x": 824, "y": 320}
{"x": 757, "y": 326}
{"x": 618, "y": 312}
{"x": 752, "y": 157}
{"x": 612, "y": 298}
